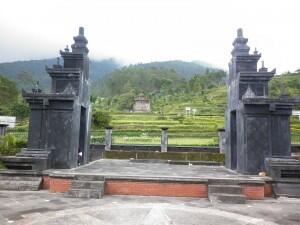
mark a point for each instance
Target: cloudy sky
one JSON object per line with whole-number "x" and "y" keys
{"x": 152, "y": 30}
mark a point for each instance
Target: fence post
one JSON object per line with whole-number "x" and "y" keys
{"x": 164, "y": 139}
{"x": 2, "y": 129}
{"x": 222, "y": 140}
{"x": 108, "y": 138}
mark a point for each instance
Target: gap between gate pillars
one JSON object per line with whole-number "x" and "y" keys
{"x": 108, "y": 138}
{"x": 222, "y": 140}
{"x": 164, "y": 139}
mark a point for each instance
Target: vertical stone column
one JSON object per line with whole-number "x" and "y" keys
{"x": 222, "y": 140}
{"x": 3, "y": 129}
{"x": 108, "y": 138}
{"x": 164, "y": 139}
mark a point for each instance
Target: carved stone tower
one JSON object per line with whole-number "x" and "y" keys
{"x": 59, "y": 122}
{"x": 256, "y": 126}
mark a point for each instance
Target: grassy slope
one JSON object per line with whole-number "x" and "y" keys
{"x": 200, "y": 129}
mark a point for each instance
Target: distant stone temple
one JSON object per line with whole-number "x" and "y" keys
{"x": 142, "y": 104}
{"x": 59, "y": 121}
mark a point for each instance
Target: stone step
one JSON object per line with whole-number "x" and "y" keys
{"x": 85, "y": 193}
{"x": 223, "y": 181}
{"x": 82, "y": 184}
{"x": 224, "y": 189}
{"x": 33, "y": 154}
{"x": 19, "y": 178}
{"x": 21, "y": 185}
{"x": 227, "y": 198}
{"x": 87, "y": 177}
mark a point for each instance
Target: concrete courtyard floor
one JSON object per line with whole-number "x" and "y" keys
{"x": 44, "y": 208}
{"x": 114, "y": 168}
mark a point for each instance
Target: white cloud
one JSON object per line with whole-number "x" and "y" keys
{"x": 151, "y": 30}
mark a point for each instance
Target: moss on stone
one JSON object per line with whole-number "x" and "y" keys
{"x": 185, "y": 156}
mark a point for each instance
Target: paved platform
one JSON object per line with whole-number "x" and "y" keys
{"x": 44, "y": 208}
{"x": 112, "y": 168}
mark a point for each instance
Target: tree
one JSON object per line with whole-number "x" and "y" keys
{"x": 100, "y": 119}
{"x": 26, "y": 80}
{"x": 20, "y": 109}
{"x": 8, "y": 93}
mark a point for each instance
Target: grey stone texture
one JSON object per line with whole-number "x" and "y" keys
{"x": 164, "y": 139}
{"x": 286, "y": 176}
{"x": 256, "y": 126}
{"x": 141, "y": 104}
{"x": 87, "y": 186}
{"x": 47, "y": 208}
{"x": 59, "y": 123}
{"x": 222, "y": 140}
{"x": 226, "y": 193}
{"x": 20, "y": 181}
{"x": 108, "y": 138}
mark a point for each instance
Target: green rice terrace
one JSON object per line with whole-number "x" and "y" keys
{"x": 199, "y": 130}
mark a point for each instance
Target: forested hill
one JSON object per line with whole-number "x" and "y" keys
{"x": 27, "y": 72}
{"x": 186, "y": 69}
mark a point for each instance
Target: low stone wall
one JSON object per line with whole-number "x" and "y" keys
{"x": 252, "y": 191}
{"x": 153, "y": 148}
{"x": 179, "y": 156}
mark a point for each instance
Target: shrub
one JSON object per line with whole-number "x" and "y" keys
{"x": 8, "y": 145}
{"x": 100, "y": 119}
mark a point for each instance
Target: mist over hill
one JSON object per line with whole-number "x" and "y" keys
{"x": 35, "y": 70}
{"x": 25, "y": 73}
{"x": 186, "y": 69}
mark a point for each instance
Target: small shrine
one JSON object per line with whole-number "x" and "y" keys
{"x": 142, "y": 104}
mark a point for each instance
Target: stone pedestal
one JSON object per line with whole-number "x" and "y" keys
{"x": 108, "y": 138}
{"x": 222, "y": 140}
{"x": 164, "y": 139}
{"x": 263, "y": 131}
{"x": 285, "y": 172}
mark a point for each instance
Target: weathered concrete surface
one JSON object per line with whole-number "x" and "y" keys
{"x": 35, "y": 208}
{"x": 127, "y": 168}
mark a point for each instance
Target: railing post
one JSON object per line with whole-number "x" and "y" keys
{"x": 108, "y": 138}
{"x": 222, "y": 140}
{"x": 164, "y": 139}
{"x": 3, "y": 129}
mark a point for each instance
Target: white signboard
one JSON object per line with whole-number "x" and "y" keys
{"x": 8, "y": 120}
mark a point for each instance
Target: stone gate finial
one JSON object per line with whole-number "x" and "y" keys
{"x": 240, "y": 32}
{"x": 81, "y": 31}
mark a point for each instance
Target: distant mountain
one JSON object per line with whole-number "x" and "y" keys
{"x": 36, "y": 68}
{"x": 186, "y": 69}
{"x": 27, "y": 72}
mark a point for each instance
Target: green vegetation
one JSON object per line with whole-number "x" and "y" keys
{"x": 170, "y": 91}
{"x": 100, "y": 119}
{"x": 2, "y": 167}
{"x": 9, "y": 145}
{"x": 206, "y": 93}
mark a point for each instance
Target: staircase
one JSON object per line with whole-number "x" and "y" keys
{"x": 226, "y": 192}
{"x": 20, "y": 181}
{"x": 87, "y": 186}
